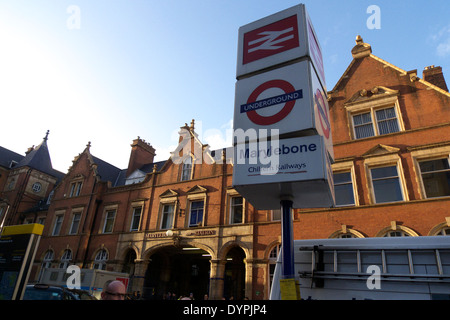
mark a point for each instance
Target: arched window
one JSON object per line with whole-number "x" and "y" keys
{"x": 396, "y": 230}
{"x": 396, "y": 233}
{"x": 100, "y": 260}
{"x": 273, "y": 256}
{"x": 444, "y": 232}
{"x": 442, "y": 229}
{"x": 48, "y": 259}
{"x": 345, "y": 233}
{"x": 186, "y": 170}
{"x": 65, "y": 259}
{"x": 46, "y": 262}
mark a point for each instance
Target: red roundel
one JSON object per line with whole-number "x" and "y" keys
{"x": 287, "y": 108}
{"x": 323, "y": 116}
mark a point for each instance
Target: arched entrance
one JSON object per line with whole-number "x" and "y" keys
{"x": 129, "y": 264}
{"x": 234, "y": 277}
{"x": 129, "y": 267}
{"x": 177, "y": 270}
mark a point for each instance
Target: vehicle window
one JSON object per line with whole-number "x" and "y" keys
{"x": 41, "y": 294}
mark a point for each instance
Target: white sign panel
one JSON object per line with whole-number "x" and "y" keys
{"x": 265, "y": 171}
{"x": 289, "y": 99}
{"x": 279, "y": 38}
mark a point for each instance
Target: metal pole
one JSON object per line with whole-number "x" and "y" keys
{"x": 287, "y": 235}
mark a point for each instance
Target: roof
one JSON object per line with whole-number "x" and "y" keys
{"x": 362, "y": 50}
{"x": 39, "y": 159}
{"x": 106, "y": 171}
{"x": 7, "y": 156}
{"x": 146, "y": 168}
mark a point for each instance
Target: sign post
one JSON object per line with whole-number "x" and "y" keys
{"x": 281, "y": 89}
{"x": 287, "y": 240}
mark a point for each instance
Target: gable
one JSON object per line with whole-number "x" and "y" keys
{"x": 197, "y": 189}
{"x": 372, "y": 71}
{"x": 168, "y": 193}
{"x": 381, "y": 149}
{"x": 376, "y": 93}
{"x": 190, "y": 146}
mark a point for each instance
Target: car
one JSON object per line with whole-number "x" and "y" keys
{"x": 83, "y": 294}
{"x": 45, "y": 292}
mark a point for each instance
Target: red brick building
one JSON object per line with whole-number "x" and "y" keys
{"x": 179, "y": 226}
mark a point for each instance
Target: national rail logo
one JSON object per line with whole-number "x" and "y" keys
{"x": 271, "y": 39}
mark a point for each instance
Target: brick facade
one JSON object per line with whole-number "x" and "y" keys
{"x": 143, "y": 217}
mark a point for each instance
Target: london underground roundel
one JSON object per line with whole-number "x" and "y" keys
{"x": 288, "y": 98}
{"x": 323, "y": 114}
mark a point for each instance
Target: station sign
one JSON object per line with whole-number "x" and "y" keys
{"x": 266, "y": 171}
{"x": 281, "y": 38}
{"x": 18, "y": 246}
{"x": 289, "y": 99}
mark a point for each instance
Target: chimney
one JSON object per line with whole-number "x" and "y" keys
{"x": 141, "y": 153}
{"x": 29, "y": 150}
{"x": 435, "y": 76}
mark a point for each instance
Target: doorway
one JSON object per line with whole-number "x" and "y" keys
{"x": 234, "y": 278}
{"x": 177, "y": 270}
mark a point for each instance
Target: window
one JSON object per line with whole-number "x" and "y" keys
{"x": 236, "y": 207}
{"x": 273, "y": 256}
{"x": 75, "y": 189}
{"x": 436, "y": 177}
{"x": 47, "y": 259}
{"x": 386, "y": 121}
{"x": 343, "y": 189}
{"x": 167, "y": 216}
{"x": 186, "y": 170}
{"x": 397, "y": 230}
{"x": 362, "y": 123}
{"x": 345, "y": 235}
{"x": 396, "y": 233}
{"x": 276, "y": 215}
{"x": 100, "y": 260}
{"x": 196, "y": 217}
{"x": 46, "y": 263}
{"x": 444, "y": 232}
{"x": 386, "y": 184}
{"x": 109, "y": 221}
{"x": 50, "y": 197}
{"x": 57, "y": 226}
{"x": 136, "y": 219}
{"x": 75, "y": 223}
{"x": 65, "y": 259}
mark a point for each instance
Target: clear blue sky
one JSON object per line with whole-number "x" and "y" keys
{"x": 118, "y": 69}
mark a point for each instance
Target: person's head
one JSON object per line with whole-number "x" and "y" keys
{"x": 113, "y": 290}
